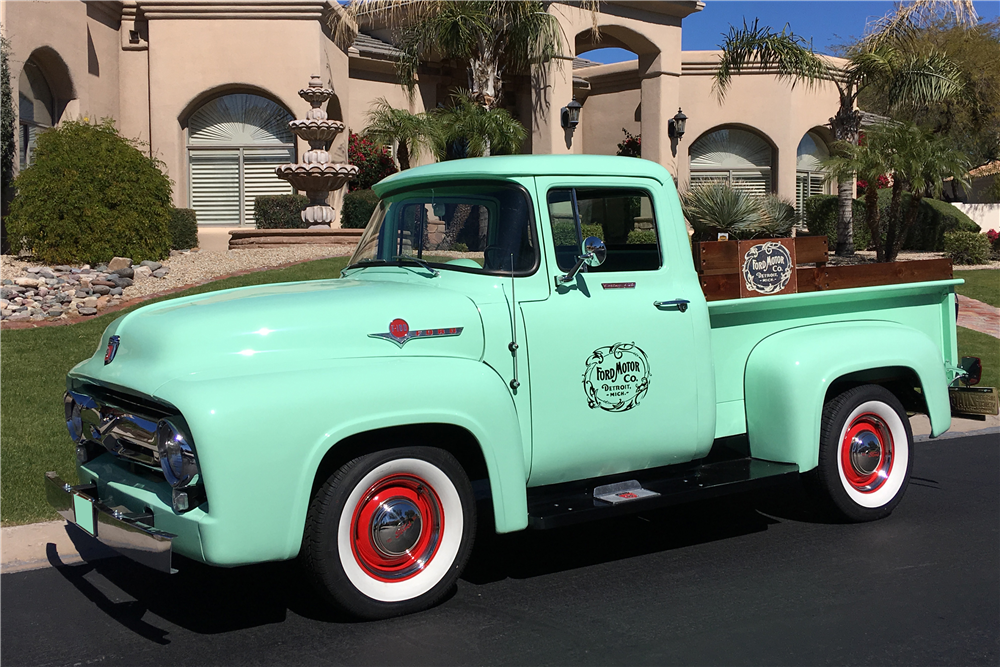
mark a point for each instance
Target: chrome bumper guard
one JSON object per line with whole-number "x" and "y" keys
{"x": 122, "y": 531}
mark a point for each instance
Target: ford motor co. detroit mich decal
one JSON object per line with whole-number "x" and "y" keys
{"x": 768, "y": 267}
{"x": 617, "y": 377}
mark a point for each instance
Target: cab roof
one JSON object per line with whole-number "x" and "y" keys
{"x": 502, "y": 166}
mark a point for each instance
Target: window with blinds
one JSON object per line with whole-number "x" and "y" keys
{"x": 235, "y": 142}
{"x": 735, "y": 157}
{"x": 810, "y": 176}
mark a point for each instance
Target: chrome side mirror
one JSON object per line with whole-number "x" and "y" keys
{"x": 593, "y": 253}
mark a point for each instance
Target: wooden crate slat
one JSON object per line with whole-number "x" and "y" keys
{"x": 716, "y": 256}
{"x": 868, "y": 275}
{"x": 721, "y": 286}
{"x": 809, "y": 278}
{"x": 811, "y": 249}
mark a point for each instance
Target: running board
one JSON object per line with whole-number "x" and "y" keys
{"x": 566, "y": 504}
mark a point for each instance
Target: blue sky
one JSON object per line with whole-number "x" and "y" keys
{"x": 825, "y": 22}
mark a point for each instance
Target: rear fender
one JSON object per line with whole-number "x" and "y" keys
{"x": 789, "y": 374}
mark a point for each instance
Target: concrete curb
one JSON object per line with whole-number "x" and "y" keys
{"x": 39, "y": 545}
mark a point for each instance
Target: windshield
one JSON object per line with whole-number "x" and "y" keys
{"x": 484, "y": 227}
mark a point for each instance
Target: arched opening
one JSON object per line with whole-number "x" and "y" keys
{"x": 737, "y": 157}
{"x": 810, "y": 175}
{"x": 234, "y": 142}
{"x": 43, "y": 89}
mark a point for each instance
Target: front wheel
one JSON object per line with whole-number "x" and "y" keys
{"x": 389, "y": 532}
{"x": 865, "y": 453}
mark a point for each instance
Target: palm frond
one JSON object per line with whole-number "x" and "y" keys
{"x": 901, "y": 24}
{"x": 754, "y": 46}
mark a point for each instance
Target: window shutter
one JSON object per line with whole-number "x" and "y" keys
{"x": 756, "y": 184}
{"x": 259, "y": 178}
{"x": 215, "y": 186}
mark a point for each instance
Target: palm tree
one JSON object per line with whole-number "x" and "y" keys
{"x": 467, "y": 129}
{"x": 880, "y": 59}
{"x": 494, "y": 38}
{"x": 920, "y": 162}
{"x": 868, "y": 160}
{"x": 410, "y": 132}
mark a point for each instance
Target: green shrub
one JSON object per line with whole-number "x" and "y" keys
{"x": 459, "y": 247}
{"x": 564, "y": 233}
{"x": 820, "y": 213}
{"x": 280, "y": 211}
{"x": 642, "y": 236}
{"x": 183, "y": 229}
{"x": 934, "y": 218}
{"x": 358, "y": 208}
{"x": 592, "y": 230}
{"x": 967, "y": 247}
{"x": 89, "y": 196}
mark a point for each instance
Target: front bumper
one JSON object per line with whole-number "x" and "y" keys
{"x": 117, "y": 528}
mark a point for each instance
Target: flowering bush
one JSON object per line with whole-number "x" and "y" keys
{"x": 994, "y": 237}
{"x": 373, "y": 163}
{"x": 632, "y": 146}
{"x": 882, "y": 183}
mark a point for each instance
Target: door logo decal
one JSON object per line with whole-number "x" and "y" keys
{"x": 400, "y": 333}
{"x": 616, "y": 378}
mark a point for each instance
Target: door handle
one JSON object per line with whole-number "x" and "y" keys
{"x": 681, "y": 304}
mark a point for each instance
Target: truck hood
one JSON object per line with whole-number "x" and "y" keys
{"x": 274, "y": 328}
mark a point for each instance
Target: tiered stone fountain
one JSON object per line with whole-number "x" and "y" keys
{"x": 315, "y": 174}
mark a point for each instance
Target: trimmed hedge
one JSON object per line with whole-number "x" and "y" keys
{"x": 358, "y": 208}
{"x": 183, "y": 229}
{"x": 967, "y": 247}
{"x": 934, "y": 219}
{"x": 642, "y": 236}
{"x": 90, "y": 195}
{"x": 280, "y": 211}
{"x": 820, "y": 213}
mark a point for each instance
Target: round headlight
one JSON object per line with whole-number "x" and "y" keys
{"x": 176, "y": 455}
{"x": 73, "y": 421}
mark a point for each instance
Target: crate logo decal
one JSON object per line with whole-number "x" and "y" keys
{"x": 616, "y": 378}
{"x": 767, "y": 267}
{"x": 400, "y": 333}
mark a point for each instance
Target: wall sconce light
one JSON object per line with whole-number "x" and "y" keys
{"x": 571, "y": 114}
{"x": 677, "y": 125}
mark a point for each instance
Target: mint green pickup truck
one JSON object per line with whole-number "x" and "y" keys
{"x": 527, "y": 336}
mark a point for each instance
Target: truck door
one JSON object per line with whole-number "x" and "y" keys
{"x": 612, "y": 375}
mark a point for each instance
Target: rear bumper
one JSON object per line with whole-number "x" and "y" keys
{"x": 115, "y": 527}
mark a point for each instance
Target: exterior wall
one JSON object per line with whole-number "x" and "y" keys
{"x": 987, "y": 216}
{"x": 757, "y": 101}
{"x": 613, "y": 103}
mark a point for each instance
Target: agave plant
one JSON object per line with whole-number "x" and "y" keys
{"x": 716, "y": 207}
{"x": 777, "y": 217}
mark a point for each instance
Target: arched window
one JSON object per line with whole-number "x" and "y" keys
{"x": 736, "y": 157}
{"x": 35, "y": 107}
{"x": 809, "y": 173}
{"x": 234, "y": 144}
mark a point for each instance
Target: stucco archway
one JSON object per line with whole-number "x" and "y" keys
{"x": 44, "y": 89}
{"x": 737, "y": 155}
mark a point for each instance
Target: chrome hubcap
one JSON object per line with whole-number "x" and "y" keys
{"x": 395, "y": 526}
{"x": 866, "y": 452}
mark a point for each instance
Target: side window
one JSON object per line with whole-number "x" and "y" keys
{"x": 622, "y": 218}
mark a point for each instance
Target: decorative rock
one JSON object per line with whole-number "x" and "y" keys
{"x": 102, "y": 289}
{"x": 143, "y": 271}
{"x": 123, "y": 282}
{"x": 46, "y": 273}
{"x": 151, "y": 265}
{"x": 101, "y": 268}
{"x": 103, "y": 301}
{"x": 116, "y": 291}
{"x": 160, "y": 273}
{"x": 21, "y": 316}
{"x": 119, "y": 263}
{"x": 125, "y": 272}
{"x": 62, "y": 268}
{"x": 8, "y": 281}
{"x": 90, "y": 302}
{"x": 85, "y": 283}
{"x": 55, "y": 312}
{"x": 87, "y": 311}
{"x": 26, "y": 282}
{"x": 33, "y": 269}
{"x": 106, "y": 283}
{"x": 85, "y": 270}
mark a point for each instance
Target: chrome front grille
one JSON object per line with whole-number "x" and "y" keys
{"x": 115, "y": 425}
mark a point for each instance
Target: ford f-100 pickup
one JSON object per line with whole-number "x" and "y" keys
{"x": 531, "y": 330}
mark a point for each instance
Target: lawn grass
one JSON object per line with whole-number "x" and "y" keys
{"x": 987, "y": 348}
{"x": 982, "y": 285}
{"x": 33, "y": 367}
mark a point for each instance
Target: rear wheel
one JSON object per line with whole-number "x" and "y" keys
{"x": 390, "y": 532}
{"x": 865, "y": 453}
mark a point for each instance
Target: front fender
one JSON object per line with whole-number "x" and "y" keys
{"x": 789, "y": 373}
{"x": 260, "y": 439}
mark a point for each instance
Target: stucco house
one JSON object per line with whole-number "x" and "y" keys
{"x": 210, "y": 86}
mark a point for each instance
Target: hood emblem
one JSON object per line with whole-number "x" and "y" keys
{"x": 400, "y": 333}
{"x": 109, "y": 356}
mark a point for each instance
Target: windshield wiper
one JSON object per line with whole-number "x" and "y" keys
{"x": 411, "y": 258}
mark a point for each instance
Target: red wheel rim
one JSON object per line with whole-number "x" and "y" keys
{"x": 396, "y": 527}
{"x": 866, "y": 453}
